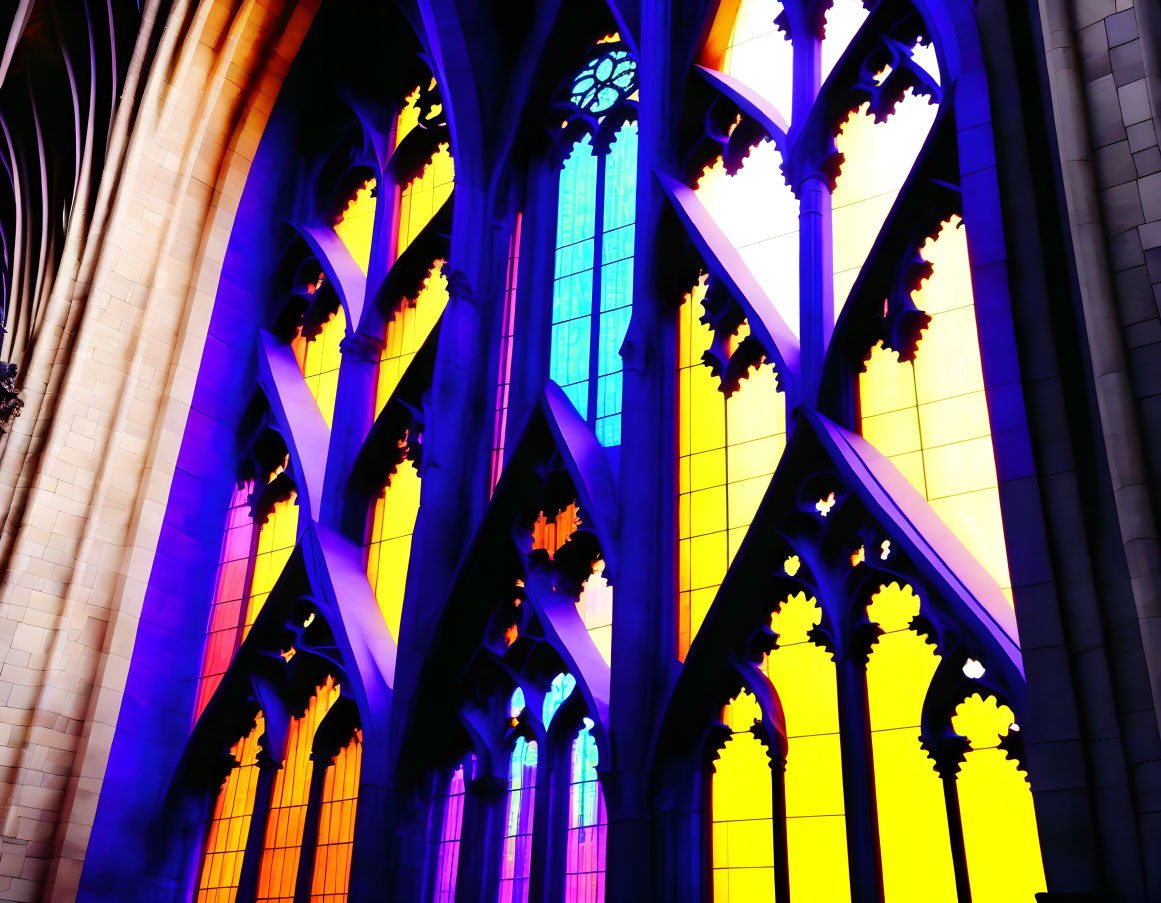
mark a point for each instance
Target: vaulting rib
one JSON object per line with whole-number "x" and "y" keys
{"x": 588, "y": 464}
{"x": 341, "y": 569}
{"x": 562, "y": 623}
{"x": 726, "y": 263}
{"x": 752, "y": 104}
{"x": 906, "y": 514}
{"x": 307, "y": 435}
{"x": 348, "y": 280}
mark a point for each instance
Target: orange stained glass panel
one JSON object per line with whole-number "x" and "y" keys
{"x": 914, "y": 841}
{"x": 742, "y": 801}
{"x": 408, "y": 329}
{"x": 877, "y": 159}
{"x": 389, "y": 542}
{"x": 995, "y": 802}
{"x": 804, "y": 676}
{"x": 356, "y": 225}
{"x": 230, "y": 823}
{"x": 727, "y": 452}
{"x": 421, "y": 198}
{"x": 336, "y": 825}
{"x": 550, "y": 535}
{"x": 276, "y": 540}
{"x": 319, "y": 359}
{"x": 931, "y": 417}
{"x": 225, "y": 627}
{"x": 278, "y": 869}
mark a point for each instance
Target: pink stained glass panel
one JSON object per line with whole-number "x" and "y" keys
{"x": 448, "y": 858}
{"x": 223, "y": 632}
{"x": 507, "y": 334}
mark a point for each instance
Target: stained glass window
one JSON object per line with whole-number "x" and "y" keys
{"x": 507, "y": 334}
{"x": 278, "y": 869}
{"x": 803, "y": 676}
{"x": 742, "y": 805}
{"x": 356, "y": 224}
{"x": 593, "y": 277}
{"x": 727, "y": 451}
{"x": 319, "y": 359}
{"x": 336, "y": 825}
{"x": 421, "y": 198}
{"x": 584, "y": 879}
{"x": 391, "y": 524}
{"x": 250, "y": 563}
{"x": 276, "y": 541}
{"x": 803, "y": 236}
{"x": 230, "y": 590}
{"x": 595, "y": 605}
{"x": 448, "y": 842}
{"x": 230, "y": 823}
{"x": 930, "y": 416}
{"x": 558, "y": 691}
{"x": 408, "y": 329}
{"x": 516, "y": 855}
{"x": 607, "y": 79}
{"x": 999, "y": 823}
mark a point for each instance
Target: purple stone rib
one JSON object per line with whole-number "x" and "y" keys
{"x": 911, "y": 519}
{"x": 726, "y": 263}
{"x": 752, "y": 104}
{"x": 305, "y": 432}
{"x": 348, "y": 280}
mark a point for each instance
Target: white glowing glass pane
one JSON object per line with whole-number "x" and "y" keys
{"x": 760, "y": 56}
{"x": 877, "y": 158}
{"x": 758, "y": 213}
{"x": 973, "y": 669}
{"x": 924, "y": 55}
{"x": 843, "y": 20}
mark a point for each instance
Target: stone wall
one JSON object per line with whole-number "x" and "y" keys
{"x": 85, "y": 474}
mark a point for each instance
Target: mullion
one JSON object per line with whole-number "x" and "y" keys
{"x": 598, "y": 264}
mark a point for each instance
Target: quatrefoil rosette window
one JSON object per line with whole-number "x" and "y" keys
{"x": 830, "y": 357}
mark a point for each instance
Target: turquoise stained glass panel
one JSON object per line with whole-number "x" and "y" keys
{"x": 572, "y": 289}
{"x": 577, "y": 296}
{"x": 617, "y": 247}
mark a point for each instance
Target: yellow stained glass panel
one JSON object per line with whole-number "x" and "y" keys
{"x": 877, "y": 160}
{"x": 319, "y": 359}
{"x": 804, "y": 678}
{"x": 276, "y": 540}
{"x": 407, "y": 330}
{"x": 356, "y": 225}
{"x": 930, "y": 417}
{"x": 742, "y": 802}
{"x": 995, "y": 802}
{"x": 421, "y": 198}
{"x": 914, "y": 840}
{"x": 389, "y": 543}
{"x": 727, "y": 451}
